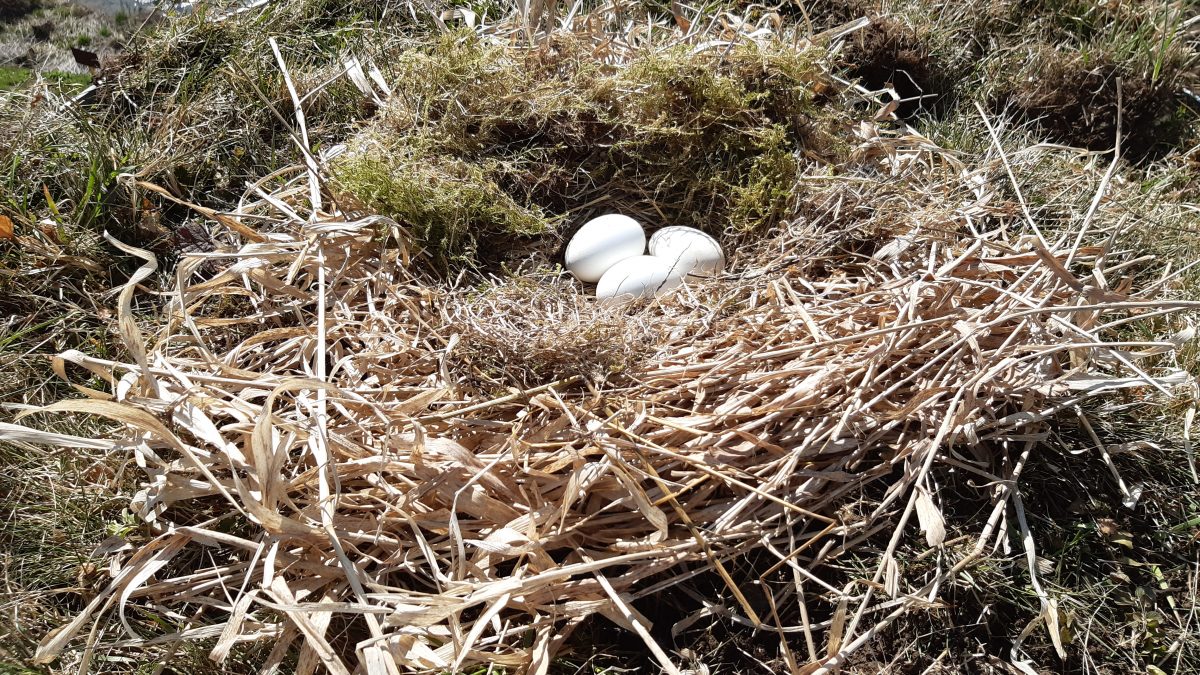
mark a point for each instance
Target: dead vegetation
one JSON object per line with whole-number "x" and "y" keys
{"x": 1054, "y": 65}
{"x": 37, "y": 37}
{"x": 446, "y": 528}
{"x": 890, "y": 54}
{"x": 866, "y": 446}
{"x": 478, "y": 142}
{"x": 531, "y": 329}
{"x": 14, "y": 9}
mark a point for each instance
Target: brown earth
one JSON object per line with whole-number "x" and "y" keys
{"x": 1076, "y": 103}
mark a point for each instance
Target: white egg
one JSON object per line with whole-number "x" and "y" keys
{"x": 689, "y": 250}
{"x": 641, "y": 276}
{"x": 601, "y": 243}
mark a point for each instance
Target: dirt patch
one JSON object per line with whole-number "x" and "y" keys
{"x": 1076, "y": 103}
{"x": 889, "y": 53}
{"x": 12, "y": 9}
{"x": 885, "y": 52}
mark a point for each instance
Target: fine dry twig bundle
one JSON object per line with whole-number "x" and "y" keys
{"x": 310, "y": 415}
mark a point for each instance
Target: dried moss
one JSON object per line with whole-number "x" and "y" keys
{"x": 13, "y": 9}
{"x": 713, "y": 140}
{"x": 892, "y": 53}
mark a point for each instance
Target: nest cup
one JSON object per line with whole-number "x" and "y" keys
{"x": 609, "y": 251}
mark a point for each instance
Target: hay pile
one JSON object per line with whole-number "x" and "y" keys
{"x": 332, "y": 464}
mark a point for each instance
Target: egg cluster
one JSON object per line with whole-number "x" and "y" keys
{"x": 610, "y": 251}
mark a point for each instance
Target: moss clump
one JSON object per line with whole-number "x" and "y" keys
{"x": 449, "y": 203}
{"x": 718, "y": 146}
{"x": 714, "y": 140}
{"x": 913, "y": 62}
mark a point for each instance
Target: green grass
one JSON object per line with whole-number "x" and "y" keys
{"x": 68, "y": 83}
{"x": 60, "y": 81}
{"x": 11, "y": 78}
{"x": 58, "y": 507}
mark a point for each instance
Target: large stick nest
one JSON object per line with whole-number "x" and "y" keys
{"x": 333, "y": 461}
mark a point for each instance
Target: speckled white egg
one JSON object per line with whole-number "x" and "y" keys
{"x": 641, "y": 276}
{"x": 689, "y": 250}
{"x": 601, "y": 243}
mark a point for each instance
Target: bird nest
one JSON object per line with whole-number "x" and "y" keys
{"x": 348, "y": 456}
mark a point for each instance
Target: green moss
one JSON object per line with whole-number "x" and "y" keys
{"x": 672, "y": 91}
{"x": 457, "y": 94}
{"x": 450, "y": 204}
{"x": 766, "y": 192}
{"x": 725, "y": 138}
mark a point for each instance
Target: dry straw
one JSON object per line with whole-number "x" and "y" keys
{"x": 312, "y": 406}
